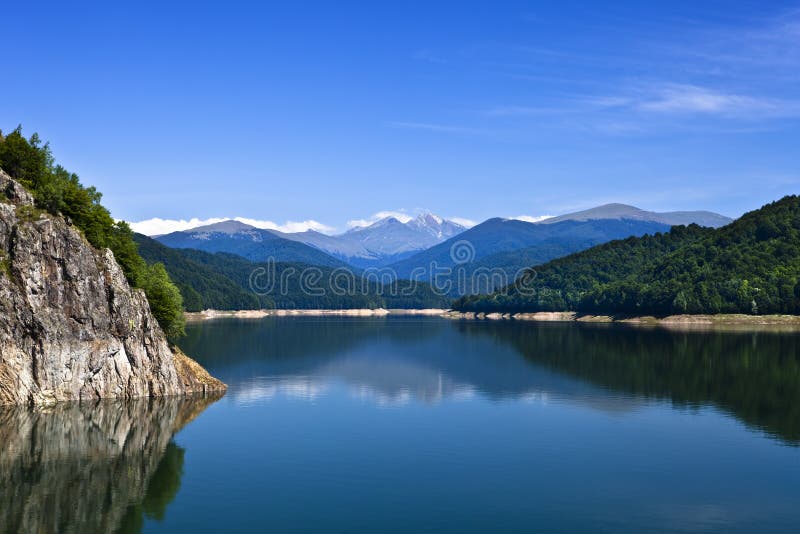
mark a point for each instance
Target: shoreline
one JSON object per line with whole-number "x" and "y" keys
{"x": 207, "y": 315}
{"x": 731, "y": 322}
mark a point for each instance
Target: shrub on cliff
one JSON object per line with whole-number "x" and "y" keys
{"x": 165, "y": 299}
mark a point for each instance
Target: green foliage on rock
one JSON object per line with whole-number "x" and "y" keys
{"x": 165, "y": 299}
{"x": 60, "y": 192}
{"x": 5, "y": 264}
{"x": 750, "y": 266}
{"x": 28, "y": 213}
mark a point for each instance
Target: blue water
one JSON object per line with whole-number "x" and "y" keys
{"x": 429, "y": 425}
{"x": 414, "y": 424}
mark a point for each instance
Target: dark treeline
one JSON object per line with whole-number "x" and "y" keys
{"x": 230, "y": 282}
{"x": 750, "y": 266}
{"x": 59, "y": 192}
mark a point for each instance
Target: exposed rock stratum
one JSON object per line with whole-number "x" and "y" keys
{"x": 71, "y": 327}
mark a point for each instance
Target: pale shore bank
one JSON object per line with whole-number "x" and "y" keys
{"x": 258, "y": 314}
{"x": 730, "y": 322}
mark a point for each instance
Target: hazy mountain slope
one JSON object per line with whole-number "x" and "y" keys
{"x": 623, "y": 211}
{"x": 701, "y": 218}
{"x": 249, "y": 242}
{"x": 505, "y": 236}
{"x": 390, "y": 236}
{"x": 382, "y": 242}
{"x": 335, "y": 245}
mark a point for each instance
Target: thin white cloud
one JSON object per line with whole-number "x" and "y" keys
{"x": 531, "y": 218}
{"x": 466, "y": 223}
{"x": 158, "y": 226}
{"x": 525, "y": 111}
{"x": 712, "y": 76}
{"x": 290, "y": 226}
{"x": 427, "y": 55}
{"x": 685, "y": 99}
{"x": 693, "y": 99}
{"x": 438, "y": 128}
{"x": 404, "y": 216}
{"x": 772, "y": 48}
{"x": 400, "y": 215}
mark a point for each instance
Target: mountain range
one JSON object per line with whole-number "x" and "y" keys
{"x": 392, "y": 242}
{"x": 383, "y": 242}
{"x": 376, "y": 245}
{"x": 455, "y": 260}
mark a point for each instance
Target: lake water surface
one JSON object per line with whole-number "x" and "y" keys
{"x": 424, "y": 424}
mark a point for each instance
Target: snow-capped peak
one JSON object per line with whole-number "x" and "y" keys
{"x": 428, "y": 219}
{"x": 434, "y": 225}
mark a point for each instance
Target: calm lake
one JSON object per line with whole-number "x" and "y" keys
{"x": 423, "y": 424}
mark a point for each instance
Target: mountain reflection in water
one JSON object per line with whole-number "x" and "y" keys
{"x": 91, "y": 467}
{"x": 615, "y": 369}
{"x": 424, "y": 424}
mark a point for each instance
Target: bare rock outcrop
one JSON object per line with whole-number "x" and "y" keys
{"x": 71, "y": 328}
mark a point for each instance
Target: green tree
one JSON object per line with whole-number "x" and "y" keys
{"x": 165, "y": 300}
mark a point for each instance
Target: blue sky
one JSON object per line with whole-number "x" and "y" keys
{"x": 333, "y": 111}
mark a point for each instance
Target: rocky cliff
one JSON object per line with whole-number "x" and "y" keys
{"x": 71, "y": 328}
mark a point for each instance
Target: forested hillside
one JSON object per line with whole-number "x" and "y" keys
{"x": 227, "y": 282}
{"x": 749, "y": 266}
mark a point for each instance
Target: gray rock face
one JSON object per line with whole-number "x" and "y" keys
{"x": 71, "y": 328}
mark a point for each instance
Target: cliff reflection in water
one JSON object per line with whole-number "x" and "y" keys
{"x": 96, "y": 467}
{"x": 754, "y": 376}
